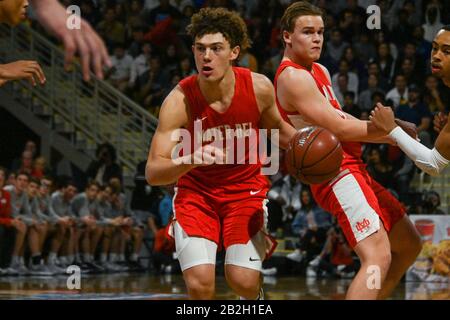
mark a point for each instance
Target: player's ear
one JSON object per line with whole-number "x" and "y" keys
{"x": 235, "y": 52}
{"x": 287, "y": 37}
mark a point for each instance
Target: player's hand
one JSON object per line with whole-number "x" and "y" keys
{"x": 85, "y": 41}
{"x": 440, "y": 120}
{"x": 408, "y": 127}
{"x": 22, "y": 69}
{"x": 208, "y": 155}
{"x": 383, "y": 118}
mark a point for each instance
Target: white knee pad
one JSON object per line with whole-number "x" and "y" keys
{"x": 192, "y": 251}
{"x": 249, "y": 255}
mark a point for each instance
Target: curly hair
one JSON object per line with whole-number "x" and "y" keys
{"x": 220, "y": 20}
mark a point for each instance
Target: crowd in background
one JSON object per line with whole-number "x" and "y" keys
{"x": 102, "y": 228}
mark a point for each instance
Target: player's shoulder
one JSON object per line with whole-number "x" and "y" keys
{"x": 261, "y": 83}
{"x": 174, "y": 105}
{"x": 295, "y": 79}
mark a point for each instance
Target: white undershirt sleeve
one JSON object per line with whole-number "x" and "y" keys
{"x": 428, "y": 160}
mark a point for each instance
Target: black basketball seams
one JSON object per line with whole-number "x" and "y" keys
{"x": 325, "y": 157}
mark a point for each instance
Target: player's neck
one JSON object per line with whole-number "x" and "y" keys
{"x": 218, "y": 90}
{"x": 296, "y": 60}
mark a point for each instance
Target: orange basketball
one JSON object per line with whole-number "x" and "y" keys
{"x": 314, "y": 155}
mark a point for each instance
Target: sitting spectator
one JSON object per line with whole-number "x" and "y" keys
{"x": 151, "y": 85}
{"x": 353, "y": 82}
{"x": 341, "y": 87}
{"x": 310, "y": 224}
{"x": 398, "y": 94}
{"x": 335, "y": 259}
{"x": 185, "y": 68}
{"x": 336, "y": 46}
{"x": 26, "y": 163}
{"x": 141, "y": 63}
{"x": 379, "y": 168}
{"x": 21, "y": 214}
{"x": 110, "y": 29}
{"x": 104, "y": 167}
{"x": 40, "y": 168}
{"x": 7, "y": 222}
{"x": 84, "y": 208}
{"x": 134, "y": 49}
{"x": 120, "y": 73}
{"x": 431, "y": 203}
{"x": 434, "y": 96}
{"x": 349, "y": 105}
{"x": 365, "y": 97}
{"x": 385, "y": 60}
{"x": 416, "y": 112}
{"x": 30, "y": 146}
{"x": 37, "y": 231}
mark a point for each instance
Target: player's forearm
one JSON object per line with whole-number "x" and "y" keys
{"x": 286, "y": 133}
{"x": 38, "y": 4}
{"x": 162, "y": 171}
{"x": 357, "y": 130}
{"x": 430, "y": 161}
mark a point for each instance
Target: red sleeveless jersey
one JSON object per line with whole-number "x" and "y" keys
{"x": 352, "y": 150}
{"x": 232, "y": 127}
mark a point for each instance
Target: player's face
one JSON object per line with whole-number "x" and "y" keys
{"x": 440, "y": 55}
{"x": 307, "y": 39}
{"x": 213, "y": 56}
{"x": 13, "y": 12}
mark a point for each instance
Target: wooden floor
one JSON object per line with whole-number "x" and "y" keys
{"x": 144, "y": 286}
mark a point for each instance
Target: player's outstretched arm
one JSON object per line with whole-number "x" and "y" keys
{"x": 270, "y": 116}
{"x": 164, "y": 165}
{"x": 85, "y": 41}
{"x": 298, "y": 91}
{"x": 431, "y": 161}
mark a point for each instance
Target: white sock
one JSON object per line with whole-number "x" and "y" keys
{"x": 86, "y": 257}
{"x": 113, "y": 257}
{"x": 22, "y": 261}
{"x": 121, "y": 257}
{"x": 103, "y": 257}
{"x": 15, "y": 260}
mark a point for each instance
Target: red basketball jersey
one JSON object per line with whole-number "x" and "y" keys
{"x": 234, "y": 126}
{"x": 352, "y": 150}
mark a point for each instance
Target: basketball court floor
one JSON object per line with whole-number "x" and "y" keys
{"x": 151, "y": 287}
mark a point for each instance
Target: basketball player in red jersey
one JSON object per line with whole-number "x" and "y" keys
{"x": 12, "y": 12}
{"x": 373, "y": 221}
{"x": 220, "y": 204}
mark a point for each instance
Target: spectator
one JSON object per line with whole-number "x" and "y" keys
{"x": 40, "y": 168}
{"x": 136, "y": 46}
{"x": 349, "y": 105}
{"x": 185, "y": 68}
{"x": 354, "y": 63}
{"x": 341, "y": 87}
{"x": 423, "y": 46}
{"x": 365, "y": 98}
{"x": 379, "y": 168}
{"x": 364, "y": 48}
{"x": 353, "y": 82}
{"x": 104, "y": 167}
{"x": 111, "y": 30}
{"x": 402, "y": 31}
{"x": 398, "y": 94}
{"x": 151, "y": 85}
{"x": 163, "y": 11}
{"x": 434, "y": 96}
{"x": 385, "y": 60}
{"x": 25, "y": 164}
{"x": 431, "y": 203}
{"x": 141, "y": 64}
{"x": 416, "y": 112}
{"x": 120, "y": 74}
{"x": 408, "y": 69}
{"x": 310, "y": 224}
{"x": 336, "y": 46}
{"x": 432, "y": 22}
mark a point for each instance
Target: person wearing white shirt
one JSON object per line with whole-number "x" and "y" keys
{"x": 120, "y": 72}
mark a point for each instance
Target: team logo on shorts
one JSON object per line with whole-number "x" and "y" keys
{"x": 361, "y": 226}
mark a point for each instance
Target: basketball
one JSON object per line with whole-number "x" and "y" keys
{"x": 314, "y": 155}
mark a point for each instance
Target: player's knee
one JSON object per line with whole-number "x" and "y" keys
{"x": 244, "y": 281}
{"x": 200, "y": 287}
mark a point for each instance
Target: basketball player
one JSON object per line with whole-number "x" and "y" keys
{"x": 218, "y": 204}
{"x": 12, "y": 12}
{"x": 435, "y": 160}
{"x": 373, "y": 221}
